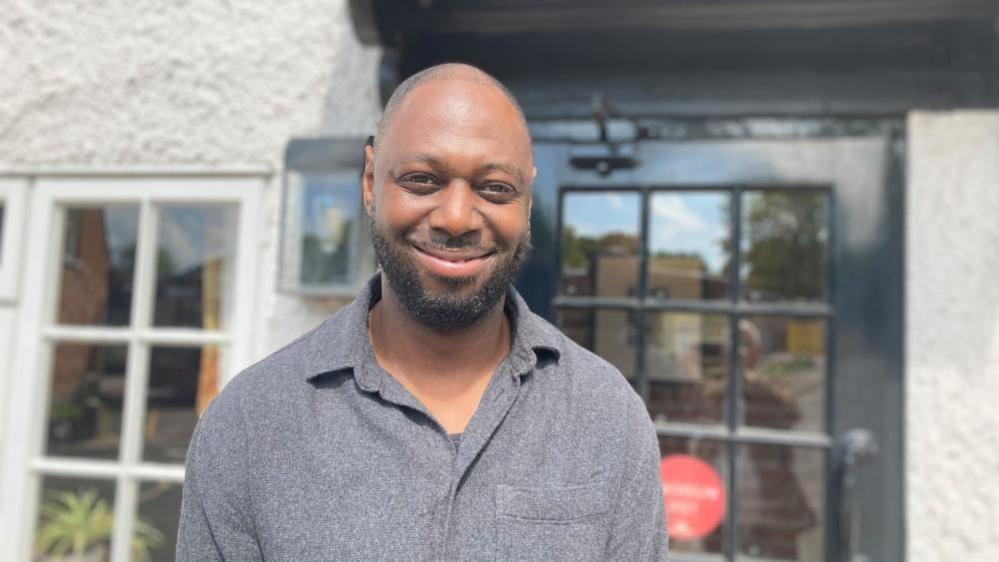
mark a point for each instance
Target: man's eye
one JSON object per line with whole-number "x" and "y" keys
{"x": 423, "y": 179}
{"x": 423, "y": 184}
{"x": 498, "y": 189}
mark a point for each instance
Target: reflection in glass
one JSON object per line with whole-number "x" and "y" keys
{"x": 182, "y": 381}
{"x": 689, "y": 245}
{"x": 159, "y": 513}
{"x": 784, "y": 245}
{"x": 194, "y": 260}
{"x": 687, "y": 366}
{"x": 781, "y": 502}
{"x": 783, "y": 372}
{"x": 98, "y": 260}
{"x": 600, "y": 243}
{"x": 608, "y": 333}
{"x": 85, "y": 405}
{"x": 326, "y": 211}
{"x": 75, "y": 520}
{"x": 713, "y": 453}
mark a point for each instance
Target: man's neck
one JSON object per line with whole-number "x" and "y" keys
{"x": 442, "y": 369}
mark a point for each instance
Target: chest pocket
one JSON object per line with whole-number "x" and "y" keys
{"x": 552, "y": 523}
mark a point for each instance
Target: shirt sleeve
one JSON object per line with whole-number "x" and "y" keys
{"x": 212, "y": 527}
{"x": 638, "y": 529}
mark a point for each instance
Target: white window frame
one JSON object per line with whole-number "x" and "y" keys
{"x": 13, "y": 193}
{"x": 24, "y": 463}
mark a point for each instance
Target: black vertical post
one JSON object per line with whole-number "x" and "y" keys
{"x": 734, "y": 394}
{"x": 642, "y": 294}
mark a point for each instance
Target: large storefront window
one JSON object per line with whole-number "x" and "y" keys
{"x": 142, "y": 301}
{"x": 681, "y": 242}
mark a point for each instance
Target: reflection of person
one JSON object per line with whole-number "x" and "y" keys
{"x": 776, "y": 509}
{"x": 773, "y": 507}
{"x": 436, "y": 417}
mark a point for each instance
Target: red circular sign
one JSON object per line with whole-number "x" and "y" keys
{"x": 694, "y": 497}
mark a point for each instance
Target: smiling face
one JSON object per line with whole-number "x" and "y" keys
{"x": 448, "y": 188}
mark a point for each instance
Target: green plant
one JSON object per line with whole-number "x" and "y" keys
{"x": 75, "y": 523}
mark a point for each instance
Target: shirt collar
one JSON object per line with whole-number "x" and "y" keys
{"x": 341, "y": 341}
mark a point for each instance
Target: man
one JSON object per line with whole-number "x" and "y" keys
{"x": 436, "y": 417}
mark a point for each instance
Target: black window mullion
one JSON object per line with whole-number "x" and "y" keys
{"x": 734, "y": 409}
{"x": 641, "y": 372}
{"x": 832, "y": 529}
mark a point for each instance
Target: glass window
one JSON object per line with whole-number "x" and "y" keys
{"x": 688, "y": 358}
{"x": 75, "y": 520}
{"x": 610, "y": 334}
{"x": 600, "y": 244}
{"x": 781, "y": 502}
{"x": 194, "y": 257}
{"x": 155, "y": 529}
{"x": 86, "y": 400}
{"x": 783, "y": 372}
{"x": 689, "y": 245}
{"x": 97, "y": 265}
{"x": 125, "y": 387}
{"x": 693, "y": 474}
{"x": 182, "y": 381}
{"x": 784, "y": 245}
{"x": 687, "y": 362}
{"x": 323, "y": 223}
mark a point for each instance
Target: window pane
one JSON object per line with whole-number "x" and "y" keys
{"x": 182, "y": 381}
{"x": 324, "y": 211}
{"x": 610, "y": 334}
{"x": 689, "y": 245}
{"x": 85, "y": 407}
{"x": 781, "y": 502}
{"x": 600, "y": 244}
{"x": 695, "y": 495}
{"x": 75, "y": 520}
{"x": 783, "y": 372}
{"x": 687, "y": 364}
{"x": 154, "y": 536}
{"x": 97, "y": 267}
{"x": 194, "y": 261}
{"x": 784, "y": 245}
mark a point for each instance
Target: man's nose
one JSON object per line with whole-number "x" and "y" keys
{"x": 456, "y": 214}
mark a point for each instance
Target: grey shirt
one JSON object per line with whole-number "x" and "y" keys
{"x": 317, "y": 453}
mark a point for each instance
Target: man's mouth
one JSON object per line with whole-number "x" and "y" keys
{"x": 463, "y": 262}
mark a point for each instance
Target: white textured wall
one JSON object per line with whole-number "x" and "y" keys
{"x": 952, "y": 410}
{"x": 209, "y": 83}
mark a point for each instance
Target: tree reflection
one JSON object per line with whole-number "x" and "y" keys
{"x": 784, "y": 245}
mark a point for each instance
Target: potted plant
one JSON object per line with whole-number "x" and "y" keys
{"x": 76, "y": 527}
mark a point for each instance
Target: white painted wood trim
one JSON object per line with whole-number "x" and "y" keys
{"x": 172, "y": 337}
{"x": 83, "y": 468}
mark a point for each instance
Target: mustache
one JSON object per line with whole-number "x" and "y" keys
{"x": 442, "y": 241}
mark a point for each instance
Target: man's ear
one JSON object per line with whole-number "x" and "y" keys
{"x": 368, "y": 179}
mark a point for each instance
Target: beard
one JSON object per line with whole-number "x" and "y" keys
{"x": 452, "y": 310}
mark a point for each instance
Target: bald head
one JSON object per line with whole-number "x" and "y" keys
{"x": 443, "y": 72}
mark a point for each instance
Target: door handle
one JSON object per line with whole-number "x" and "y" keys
{"x": 853, "y": 448}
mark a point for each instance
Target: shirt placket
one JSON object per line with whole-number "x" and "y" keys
{"x": 498, "y": 399}
{"x": 496, "y": 403}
